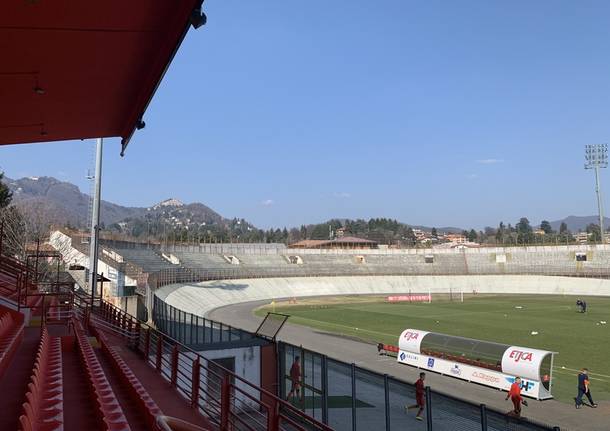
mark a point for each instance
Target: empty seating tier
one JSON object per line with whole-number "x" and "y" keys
{"x": 146, "y": 259}
{"x": 44, "y": 408}
{"x": 144, "y": 401}
{"x": 201, "y": 260}
{"x": 11, "y": 334}
{"x": 111, "y": 414}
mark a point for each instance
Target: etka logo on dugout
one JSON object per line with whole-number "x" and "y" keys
{"x": 411, "y": 335}
{"x": 521, "y": 356}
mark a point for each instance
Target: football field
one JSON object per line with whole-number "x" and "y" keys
{"x": 582, "y": 340}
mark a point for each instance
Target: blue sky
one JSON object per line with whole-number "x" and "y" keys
{"x": 438, "y": 113}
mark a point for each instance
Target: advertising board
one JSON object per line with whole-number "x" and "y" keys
{"x": 409, "y": 298}
{"x": 483, "y": 376}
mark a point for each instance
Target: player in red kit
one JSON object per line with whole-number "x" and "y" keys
{"x": 420, "y": 397}
{"x": 515, "y": 396}
{"x": 295, "y": 378}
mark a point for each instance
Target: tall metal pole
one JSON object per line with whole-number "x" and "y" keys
{"x": 95, "y": 219}
{"x": 599, "y": 205}
{"x": 596, "y": 157}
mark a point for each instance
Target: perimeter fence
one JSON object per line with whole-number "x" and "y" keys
{"x": 342, "y": 395}
{"x": 197, "y": 275}
{"x": 350, "y": 398}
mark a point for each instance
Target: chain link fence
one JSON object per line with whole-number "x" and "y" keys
{"x": 351, "y": 398}
{"x": 342, "y": 395}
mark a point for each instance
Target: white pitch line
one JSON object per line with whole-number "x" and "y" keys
{"x": 353, "y": 328}
{"x": 557, "y": 367}
{"x": 567, "y": 373}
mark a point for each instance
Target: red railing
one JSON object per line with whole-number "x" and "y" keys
{"x": 227, "y": 399}
{"x": 18, "y": 283}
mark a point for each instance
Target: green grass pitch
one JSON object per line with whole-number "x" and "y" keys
{"x": 580, "y": 339}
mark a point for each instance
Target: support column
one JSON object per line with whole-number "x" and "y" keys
{"x": 95, "y": 219}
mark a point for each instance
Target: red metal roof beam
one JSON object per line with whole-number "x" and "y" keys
{"x": 73, "y": 70}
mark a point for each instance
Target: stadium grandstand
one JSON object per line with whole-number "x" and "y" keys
{"x": 345, "y": 242}
{"x": 69, "y": 359}
{"x": 107, "y": 334}
{"x": 185, "y": 299}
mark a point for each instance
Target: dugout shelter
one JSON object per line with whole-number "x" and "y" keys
{"x": 484, "y": 362}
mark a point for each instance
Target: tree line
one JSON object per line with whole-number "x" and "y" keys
{"x": 28, "y": 227}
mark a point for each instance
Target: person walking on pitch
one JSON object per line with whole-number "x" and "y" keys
{"x": 583, "y": 389}
{"x": 420, "y": 397}
{"x": 515, "y": 396}
{"x": 295, "y": 379}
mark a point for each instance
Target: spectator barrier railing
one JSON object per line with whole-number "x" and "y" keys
{"x": 347, "y": 397}
{"x": 197, "y": 275}
{"x": 228, "y": 400}
{"x": 193, "y": 330}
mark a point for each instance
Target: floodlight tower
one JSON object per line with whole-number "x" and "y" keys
{"x": 596, "y": 157}
{"x": 95, "y": 219}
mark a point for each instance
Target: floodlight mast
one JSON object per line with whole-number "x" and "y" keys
{"x": 95, "y": 219}
{"x": 596, "y": 157}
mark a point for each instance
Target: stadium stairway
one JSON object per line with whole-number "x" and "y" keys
{"x": 66, "y": 381}
{"x": 70, "y": 363}
{"x": 80, "y": 410}
{"x": 15, "y": 379}
{"x": 57, "y": 377}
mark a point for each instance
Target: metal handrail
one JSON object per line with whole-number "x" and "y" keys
{"x": 177, "y": 350}
{"x": 164, "y": 277}
{"x": 169, "y": 423}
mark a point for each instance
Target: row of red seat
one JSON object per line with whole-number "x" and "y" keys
{"x": 44, "y": 408}
{"x": 447, "y": 356}
{"x": 144, "y": 401}
{"x": 6, "y": 323}
{"x": 462, "y": 359}
{"x": 11, "y": 335}
{"x": 12, "y": 270}
{"x": 8, "y": 283}
{"x": 388, "y": 348}
{"x": 111, "y": 417}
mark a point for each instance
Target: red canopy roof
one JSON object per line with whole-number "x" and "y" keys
{"x": 80, "y": 69}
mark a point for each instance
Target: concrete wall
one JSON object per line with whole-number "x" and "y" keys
{"x": 70, "y": 255}
{"x": 247, "y": 366}
{"x": 200, "y": 298}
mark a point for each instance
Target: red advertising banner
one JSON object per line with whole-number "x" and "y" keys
{"x": 409, "y": 298}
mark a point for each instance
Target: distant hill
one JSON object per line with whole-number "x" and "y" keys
{"x": 579, "y": 223}
{"x": 64, "y": 204}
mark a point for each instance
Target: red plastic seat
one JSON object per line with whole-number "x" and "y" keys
{"x": 143, "y": 400}
{"x": 11, "y": 335}
{"x": 110, "y": 411}
{"x": 43, "y": 409}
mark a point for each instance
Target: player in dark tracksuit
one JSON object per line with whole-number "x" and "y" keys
{"x": 583, "y": 389}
